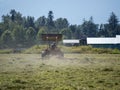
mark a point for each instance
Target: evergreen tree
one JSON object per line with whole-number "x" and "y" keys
{"x": 50, "y": 22}
{"x": 61, "y": 23}
{"x": 101, "y": 32}
{"x": 89, "y": 28}
{"x": 13, "y": 14}
{"x": 73, "y": 29}
{"x": 30, "y": 22}
{"x": 40, "y": 22}
{"x": 112, "y": 25}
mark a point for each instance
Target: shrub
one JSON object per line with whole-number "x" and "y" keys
{"x": 116, "y": 51}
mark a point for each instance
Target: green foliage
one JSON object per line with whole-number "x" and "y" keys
{"x": 29, "y": 22}
{"x": 40, "y": 22}
{"x": 26, "y": 30}
{"x": 66, "y": 32}
{"x": 42, "y": 30}
{"x": 6, "y": 37}
{"x": 30, "y": 34}
{"x": 61, "y": 23}
{"x": 116, "y": 51}
{"x": 18, "y": 34}
{"x": 89, "y": 28}
{"x": 113, "y": 24}
{"x": 50, "y": 22}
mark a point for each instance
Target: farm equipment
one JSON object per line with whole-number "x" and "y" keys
{"x": 52, "y": 48}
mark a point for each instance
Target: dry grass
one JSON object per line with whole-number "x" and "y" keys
{"x": 74, "y": 72}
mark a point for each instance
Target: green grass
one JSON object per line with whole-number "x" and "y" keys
{"x": 74, "y": 72}
{"x": 35, "y": 49}
{"x": 6, "y": 51}
{"x": 80, "y": 49}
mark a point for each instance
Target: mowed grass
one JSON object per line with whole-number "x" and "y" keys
{"x": 74, "y": 72}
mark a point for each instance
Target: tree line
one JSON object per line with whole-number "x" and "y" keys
{"x": 19, "y": 31}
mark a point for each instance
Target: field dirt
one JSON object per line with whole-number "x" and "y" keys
{"x": 73, "y": 72}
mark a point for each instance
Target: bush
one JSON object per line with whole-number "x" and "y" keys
{"x": 116, "y": 51}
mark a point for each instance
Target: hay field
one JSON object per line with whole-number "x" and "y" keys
{"x": 74, "y": 72}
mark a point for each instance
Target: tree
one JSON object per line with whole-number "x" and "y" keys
{"x": 43, "y": 30}
{"x": 1, "y": 29}
{"x": 30, "y": 35}
{"x": 101, "y": 32}
{"x": 78, "y": 32}
{"x": 19, "y": 18}
{"x": 5, "y": 22}
{"x": 41, "y": 21}
{"x": 5, "y": 18}
{"x": 29, "y": 22}
{"x": 89, "y": 28}
{"x": 50, "y": 22}
{"x": 61, "y": 23}
{"x": 67, "y": 34}
{"x": 112, "y": 25}
{"x": 93, "y": 28}
{"x": 13, "y": 14}
{"x": 73, "y": 30}
{"x": 6, "y": 38}
{"x": 118, "y": 30}
{"x": 0, "y": 32}
{"x": 18, "y": 34}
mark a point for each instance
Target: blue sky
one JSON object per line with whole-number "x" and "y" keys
{"x": 74, "y": 10}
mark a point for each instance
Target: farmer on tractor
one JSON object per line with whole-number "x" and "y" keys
{"x": 52, "y": 49}
{"x": 53, "y": 46}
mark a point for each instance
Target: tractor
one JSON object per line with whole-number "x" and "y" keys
{"x": 52, "y": 47}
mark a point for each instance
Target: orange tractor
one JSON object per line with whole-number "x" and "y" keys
{"x": 52, "y": 49}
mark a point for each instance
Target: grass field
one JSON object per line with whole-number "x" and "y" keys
{"x": 74, "y": 72}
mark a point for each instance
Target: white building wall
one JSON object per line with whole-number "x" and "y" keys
{"x": 101, "y": 40}
{"x": 115, "y": 40}
{"x": 118, "y": 39}
{"x": 92, "y": 40}
{"x": 70, "y": 41}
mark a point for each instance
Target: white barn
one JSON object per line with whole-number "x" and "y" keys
{"x": 104, "y": 40}
{"x": 107, "y": 42}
